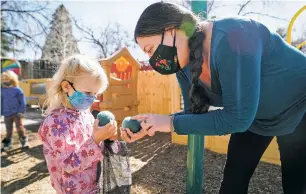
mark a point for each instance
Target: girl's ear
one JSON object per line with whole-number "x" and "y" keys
{"x": 65, "y": 86}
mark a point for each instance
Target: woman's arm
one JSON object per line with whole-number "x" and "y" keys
{"x": 238, "y": 59}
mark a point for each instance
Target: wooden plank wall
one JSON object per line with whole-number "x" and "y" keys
{"x": 159, "y": 94}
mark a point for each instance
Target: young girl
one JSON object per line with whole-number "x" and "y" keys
{"x": 72, "y": 142}
{"x": 13, "y": 107}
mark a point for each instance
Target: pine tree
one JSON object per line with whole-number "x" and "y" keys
{"x": 60, "y": 42}
{"x": 6, "y": 41}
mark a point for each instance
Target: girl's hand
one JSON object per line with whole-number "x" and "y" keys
{"x": 103, "y": 133}
{"x": 154, "y": 122}
{"x": 114, "y": 138}
{"x": 20, "y": 115}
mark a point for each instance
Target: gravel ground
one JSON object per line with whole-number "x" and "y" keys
{"x": 165, "y": 171}
{"x": 158, "y": 167}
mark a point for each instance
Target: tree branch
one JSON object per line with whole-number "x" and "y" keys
{"x": 111, "y": 38}
{"x": 243, "y": 6}
{"x": 266, "y": 15}
{"x": 24, "y": 14}
{"x": 28, "y": 38}
{"x": 210, "y": 5}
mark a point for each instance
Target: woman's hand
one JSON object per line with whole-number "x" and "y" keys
{"x": 108, "y": 131}
{"x": 154, "y": 122}
{"x": 128, "y": 136}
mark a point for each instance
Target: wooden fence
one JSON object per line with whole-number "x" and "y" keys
{"x": 157, "y": 93}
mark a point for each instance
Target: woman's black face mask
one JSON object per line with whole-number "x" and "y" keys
{"x": 164, "y": 60}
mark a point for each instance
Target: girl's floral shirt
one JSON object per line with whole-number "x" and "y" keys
{"x": 69, "y": 150}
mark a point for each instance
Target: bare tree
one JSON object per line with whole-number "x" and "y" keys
{"x": 185, "y": 3}
{"x": 25, "y": 21}
{"x": 295, "y": 42}
{"x": 109, "y": 39}
{"x": 282, "y": 32}
{"x": 213, "y": 5}
{"x": 7, "y": 42}
{"x": 210, "y": 5}
{"x": 241, "y": 8}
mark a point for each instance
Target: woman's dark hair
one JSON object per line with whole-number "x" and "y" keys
{"x": 161, "y": 16}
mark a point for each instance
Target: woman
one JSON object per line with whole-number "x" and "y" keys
{"x": 238, "y": 64}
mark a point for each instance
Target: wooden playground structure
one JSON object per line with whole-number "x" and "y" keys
{"x": 121, "y": 95}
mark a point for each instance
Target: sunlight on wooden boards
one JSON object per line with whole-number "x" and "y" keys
{"x": 219, "y": 144}
{"x": 35, "y": 90}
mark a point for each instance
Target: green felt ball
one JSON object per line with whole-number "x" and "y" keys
{"x": 131, "y": 124}
{"x": 105, "y": 117}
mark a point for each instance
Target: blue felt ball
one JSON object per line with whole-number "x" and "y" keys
{"x": 105, "y": 117}
{"x": 131, "y": 124}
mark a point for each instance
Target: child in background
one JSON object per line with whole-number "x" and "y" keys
{"x": 13, "y": 106}
{"x": 72, "y": 141}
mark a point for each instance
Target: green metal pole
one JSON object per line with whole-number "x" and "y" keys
{"x": 195, "y": 163}
{"x": 199, "y": 7}
{"x": 195, "y": 154}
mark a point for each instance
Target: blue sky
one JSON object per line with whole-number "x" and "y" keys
{"x": 99, "y": 12}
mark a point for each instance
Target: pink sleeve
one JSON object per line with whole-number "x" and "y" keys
{"x": 70, "y": 148}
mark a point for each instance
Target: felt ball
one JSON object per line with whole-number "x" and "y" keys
{"x": 131, "y": 124}
{"x": 105, "y": 117}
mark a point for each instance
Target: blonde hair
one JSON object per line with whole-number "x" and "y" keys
{"x": 74, "y": 67}
{"x": 12, "y": 76}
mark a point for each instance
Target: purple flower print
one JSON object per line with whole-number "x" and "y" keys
{"x": 69, "y": 187}
{"x": 69, "y": 121}
{"x": 59, "y": 127}
{"x": 73, "y": 114}
{"x": 73, "y": 160}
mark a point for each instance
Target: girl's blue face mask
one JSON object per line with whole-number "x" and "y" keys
{"x": 80, "y": 100}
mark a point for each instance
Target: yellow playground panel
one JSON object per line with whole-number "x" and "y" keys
{"x": 35, "y": 90}
{"x": 219, "y": 145}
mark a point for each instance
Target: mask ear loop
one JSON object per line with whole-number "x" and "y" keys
{"x": 71, "y": 84}
{"x": 162, "y": 40}
{"x": 174, "y": 38}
